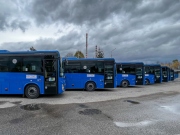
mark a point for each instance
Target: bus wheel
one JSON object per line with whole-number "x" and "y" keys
{"x": 147, "y": 82}
{"x": 32, "y": 91}
{"x": 124, "y": 83}
{"x": 90, "y": 86}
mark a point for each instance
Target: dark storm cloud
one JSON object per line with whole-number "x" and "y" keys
{"x": 157, "y": 44}
{"x": 23, "y": 25}
{"x": 10, "y": 16}
{"x": 159, "y": 9}
{"x": 3, "y": 22}
{"x": 79, "y": 12}
{"x": 65, "y": 44}
{"x": 151, "y": 34}
{"x": 143, "y": 30}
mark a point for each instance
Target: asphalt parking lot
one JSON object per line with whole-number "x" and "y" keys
{"x": 152, "y": 109}
{"x": 80, "y": 96}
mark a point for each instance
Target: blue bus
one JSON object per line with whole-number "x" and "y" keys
{"x": 89, "y": 73}
{"x": 171, "y": 75}
{"x": 130, "y": 73}
{"x": 156, "y": 70}
{"x": 149, "y": 76}
{"x": 176, "y": 75}
{"x": 165, "y": 73}
{"x": 31, "y": 73}
{"x": 124, "y": 76}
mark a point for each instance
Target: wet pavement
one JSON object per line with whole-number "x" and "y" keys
{"x": 145, "y": 114}
{"x": 31, "y": 107}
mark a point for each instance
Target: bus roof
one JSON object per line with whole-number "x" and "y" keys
{"x": 88, "y": 59}
{"x": 152, "y": 65}
{"x": 129, "y": 63}
{"x": 6, "y": 52}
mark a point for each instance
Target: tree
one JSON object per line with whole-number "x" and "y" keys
{"x": 100, "y": 53}
{"x": 79, "y": 54}
{"x": 32, "y": 49}
{"x": 69, "y": 55}
{"x": 175, "y": 64}
{"x": 175, "y": 61}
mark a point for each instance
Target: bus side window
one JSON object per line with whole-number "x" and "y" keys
{"x": 4, "y": 64}
{"x": 99, "y": 70}
{"x": 38, "y": 69}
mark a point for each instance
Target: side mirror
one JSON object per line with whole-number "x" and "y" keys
{"x": 61, "y": 74}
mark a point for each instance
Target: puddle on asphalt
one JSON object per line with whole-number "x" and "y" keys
{"x": 83, "y": 106}
{"x": 90, "y": 112}
{"x": 131, "y": 101}
{"x": 31, "y": 107}
{"x": 2, "y": 102}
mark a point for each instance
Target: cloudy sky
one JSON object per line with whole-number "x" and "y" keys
{"x": 132, "y": 30}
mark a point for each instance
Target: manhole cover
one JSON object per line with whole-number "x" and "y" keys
{"x": 90, "y": 112}
{"x": 31, "y": 107}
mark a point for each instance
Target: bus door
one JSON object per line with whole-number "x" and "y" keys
{"x": 140, "y": 79}
{"x": 50, "y": 76}
{"x": 108, "y": 75}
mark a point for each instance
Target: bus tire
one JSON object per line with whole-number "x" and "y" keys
{"x": 90, "y": 86}
{"x": 147, "y": 82}
{"x": 124, "y": 83}
{"x": 32, "y": 91}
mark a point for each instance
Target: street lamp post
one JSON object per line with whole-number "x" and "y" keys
{"x": 112, "y": 51}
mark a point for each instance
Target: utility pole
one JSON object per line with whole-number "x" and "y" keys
{"x": 112, "y": 51}
{"x": 86, "y": 44}
{"x": 96, "y": 51}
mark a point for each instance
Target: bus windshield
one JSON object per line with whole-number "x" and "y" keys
{"x": 157, "y": 71}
